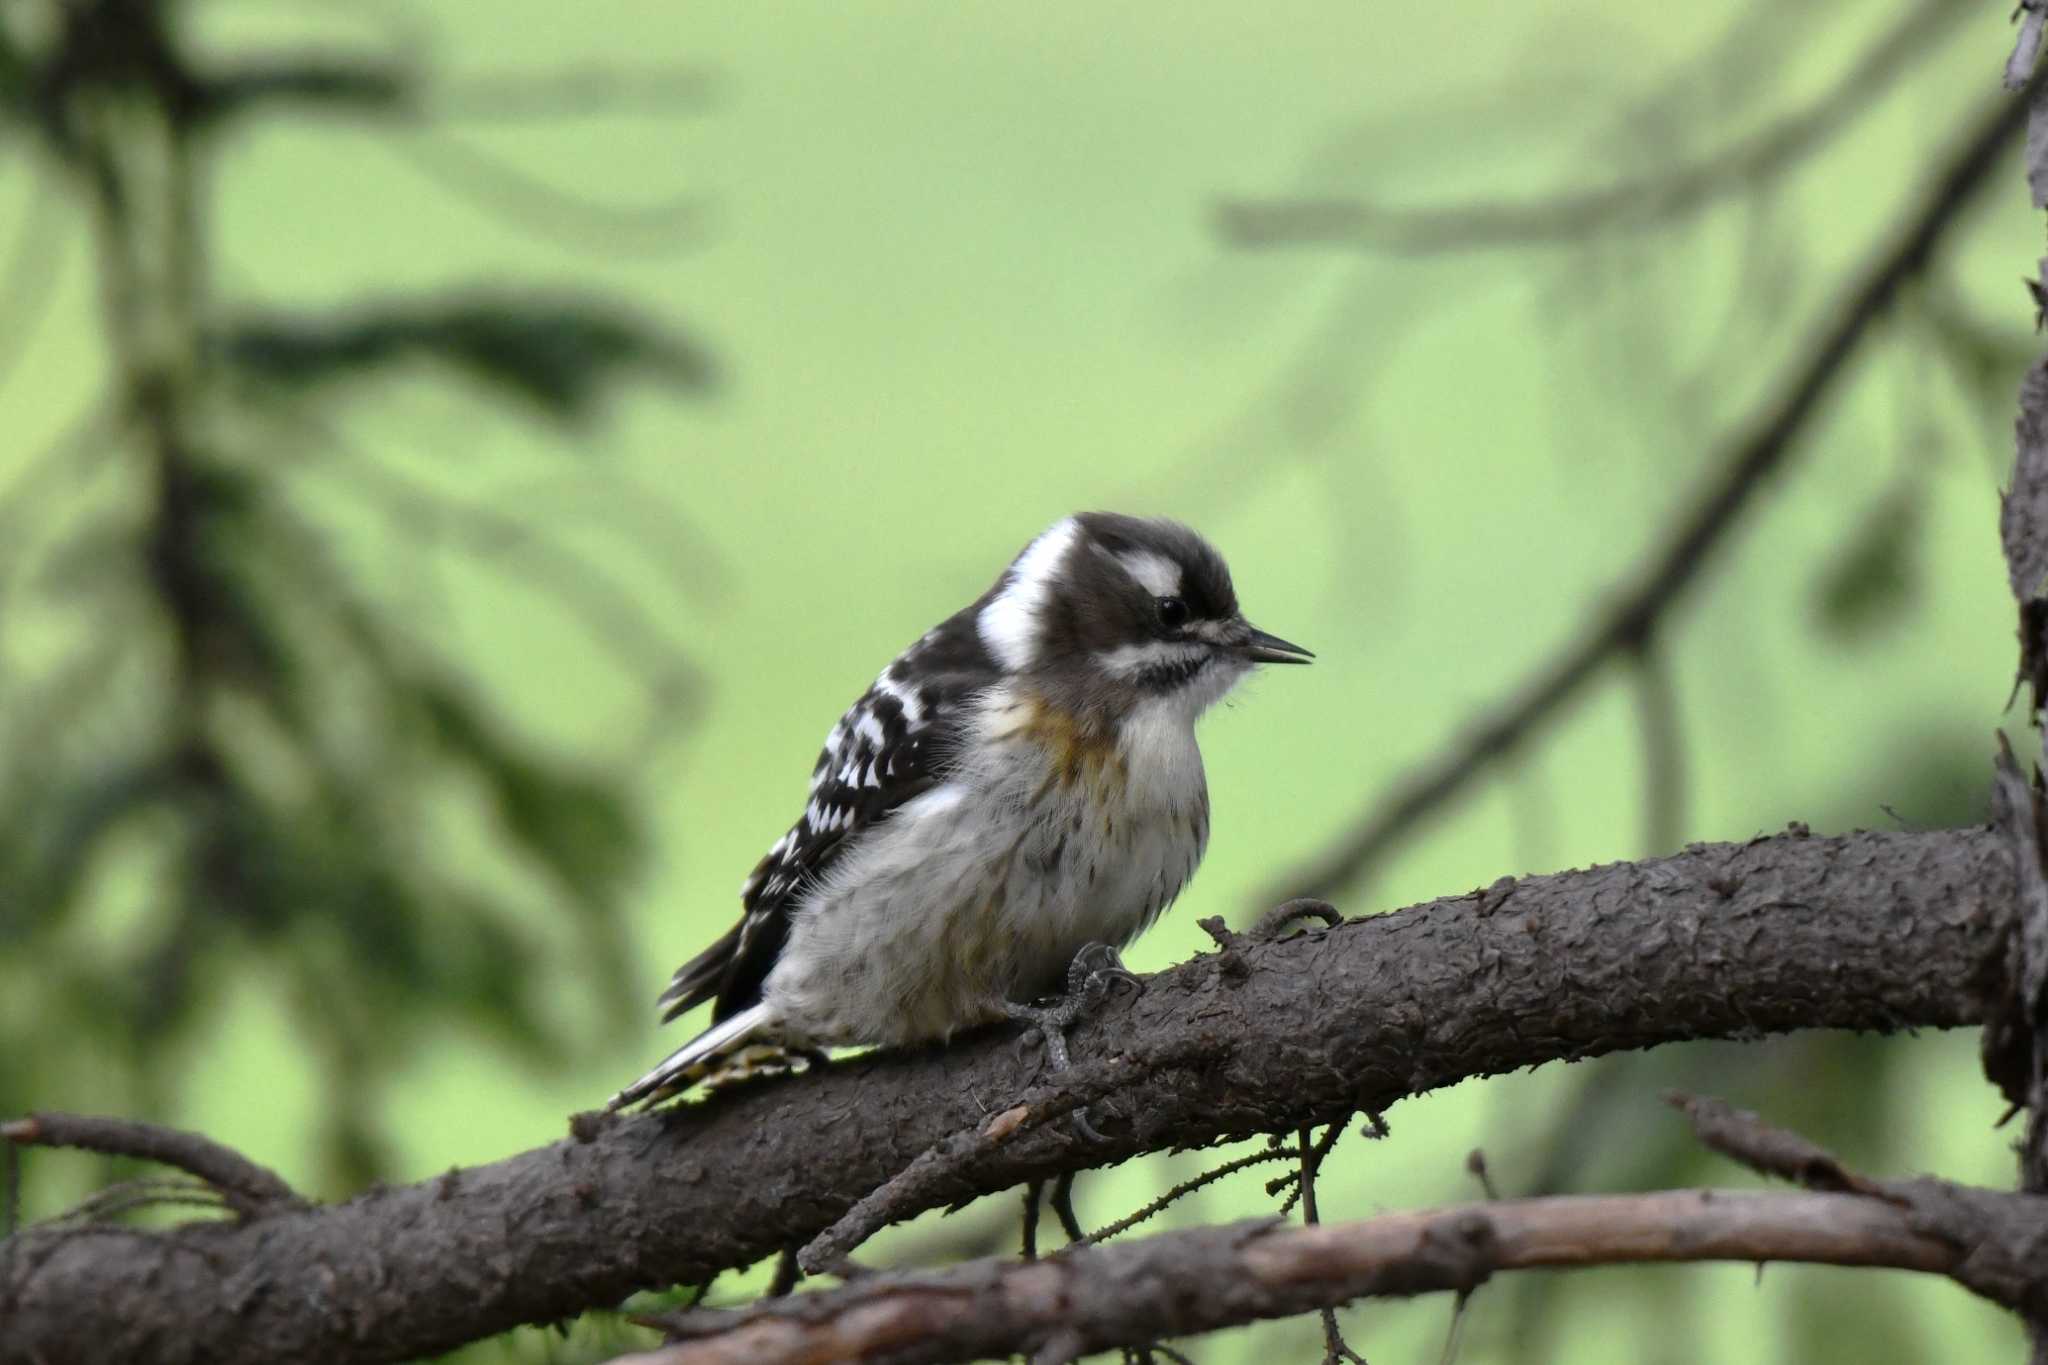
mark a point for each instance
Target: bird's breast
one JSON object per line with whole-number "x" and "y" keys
{"x": 1045, "y": 836}
{"x": 1111, "y": 821}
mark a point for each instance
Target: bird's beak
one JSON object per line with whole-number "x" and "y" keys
{"x": 1262, "y": 648}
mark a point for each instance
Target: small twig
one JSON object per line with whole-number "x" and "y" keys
{"x": 1188, "y": 1187}
{"x": 1270, "y": 924}
{"x": 787, "y": 1273}
{"x": 1456, "y": 1335}
{"x": 934, "y": 1178}
{"x": 1475, "y": 1166}
{"x": 924, "y": 1183}
{"x": 249, "y": 1189}
{"x": 142, "y": 1192}
{"x": 128, "y": 1197}
{"x": 941, "y": 1173}
{"x": 1742, "y": 1136}
{"x": 1311, "y": 1162}
{"x": 1063, "y": 1207}
{"x": 1034, "y": 1196}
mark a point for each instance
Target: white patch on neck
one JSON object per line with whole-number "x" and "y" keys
{"x": 1162, "y": 762}
{"x": 1211, "y": 685}
{"x": 1128, "y": 661}
{"x": 1009, "y": 625}
{"x": 1160, "y": 575}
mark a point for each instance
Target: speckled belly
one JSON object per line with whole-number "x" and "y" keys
{"x": 967, "y": 897}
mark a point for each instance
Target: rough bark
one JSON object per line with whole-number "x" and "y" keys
{"x": 1865, "y": 931}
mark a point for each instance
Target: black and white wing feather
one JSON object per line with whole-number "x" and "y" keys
{"x": 892, "y": 744}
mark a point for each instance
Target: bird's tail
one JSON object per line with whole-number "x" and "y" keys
{"x": 694, "y": 1059}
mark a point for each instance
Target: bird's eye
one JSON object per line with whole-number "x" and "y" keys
{"x": 1173, "y": 613}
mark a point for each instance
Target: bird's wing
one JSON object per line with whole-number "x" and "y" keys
{"x": 891, "y": 745}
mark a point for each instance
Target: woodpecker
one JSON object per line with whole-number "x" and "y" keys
{"x": 1018, "y": 795}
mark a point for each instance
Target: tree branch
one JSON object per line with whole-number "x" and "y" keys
{"x": 1088, "y": 1298}
{"x": 1866, "y": 931}
{"x": 249, "y": 1189}
{"x": 1574, "y": 216}
{"x": 1180, "y": 1283}
{"x": 1772, "y": 435}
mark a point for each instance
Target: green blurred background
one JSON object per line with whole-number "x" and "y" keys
{"x": 592, "y": 398}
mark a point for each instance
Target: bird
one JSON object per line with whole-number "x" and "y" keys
{"x": 1017, "y": 797}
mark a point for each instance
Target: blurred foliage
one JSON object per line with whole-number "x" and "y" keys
{"x": 558, "y": 356}
{"x": 222, "y": 757}
{"x": 1870, "y": 582}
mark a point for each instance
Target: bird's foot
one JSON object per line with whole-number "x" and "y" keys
{"x": 1094, "y": 970}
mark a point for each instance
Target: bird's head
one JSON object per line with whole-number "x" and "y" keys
{"x": 1127, "y": 610}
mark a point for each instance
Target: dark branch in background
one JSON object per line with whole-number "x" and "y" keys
{"x": 1867, "y": 931}
{"x": 1572, "y": 218}
{"x": 496, "y": 186}
{"x": 1632, "y": 622}
{"x": 1663, "y": 746}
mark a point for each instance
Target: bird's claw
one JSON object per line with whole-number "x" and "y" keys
{"x": 1093, "y": 971}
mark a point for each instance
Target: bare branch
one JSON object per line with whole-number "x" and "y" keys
{"x": 1180, "y": 1283}
{"x": 1574, "y": 216}
{"x": 1289, "y": 913}
{"x": 1866, "y": 931}
{"x": 1742, "y": 1136}
{"x": 1663, "y": 746}
{"x": 664, "y": 226}
{"x": 248, "y": 1188}
{"x": 1771, "y": 437}
{"x": 1188, "y": 1187}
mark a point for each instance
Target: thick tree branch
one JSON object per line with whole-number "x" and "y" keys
{"x": 1866, "y": 931}
{"x": 1768, "y": 439}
